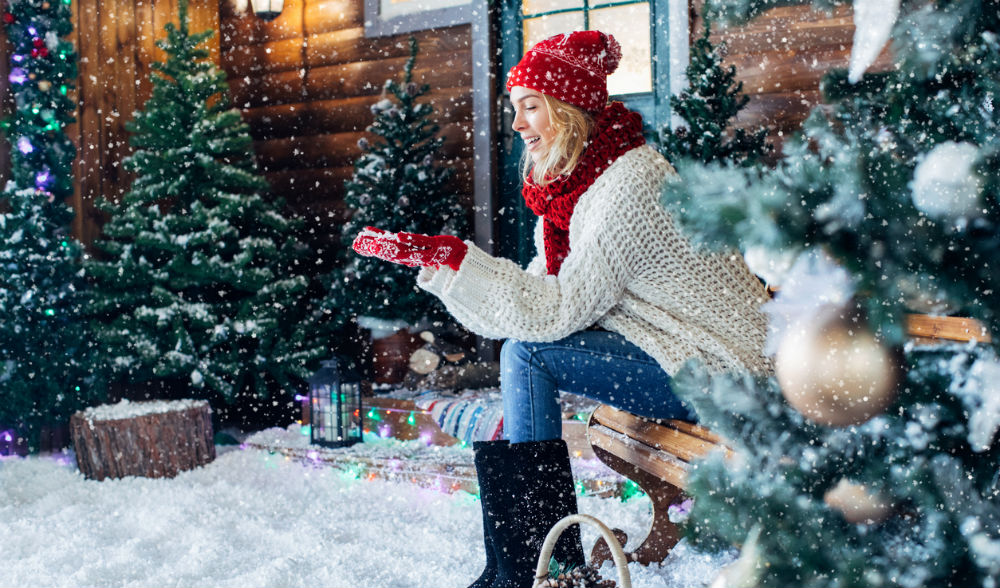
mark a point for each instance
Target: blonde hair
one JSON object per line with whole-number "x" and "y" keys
{"x": 572, "y": 126}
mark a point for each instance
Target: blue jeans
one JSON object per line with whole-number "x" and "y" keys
{"x": 600, "y": 365}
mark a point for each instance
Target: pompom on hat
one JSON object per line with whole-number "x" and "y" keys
{"x": 571, "y": 67}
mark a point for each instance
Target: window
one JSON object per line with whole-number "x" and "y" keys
{"x": 543, "y": 18}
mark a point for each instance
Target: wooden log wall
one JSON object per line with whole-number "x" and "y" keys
{"x": 306, "y": 82}
{"x": 115, "y": 42}
{"x": 781, "y": 56}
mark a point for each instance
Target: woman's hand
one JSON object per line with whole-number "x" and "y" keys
{"x": 411, "y": 249}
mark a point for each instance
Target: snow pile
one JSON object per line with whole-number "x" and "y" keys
{"x": 128, "y": 410}
{"x": 252, "y": 518}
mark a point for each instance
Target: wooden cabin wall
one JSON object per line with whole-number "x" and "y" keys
{"x": 306, "y": 83}
{"x": 780, "y": 57}
{"x": 115, "y": 43}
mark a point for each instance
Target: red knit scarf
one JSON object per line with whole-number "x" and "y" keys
{"x": 616, "y": 131}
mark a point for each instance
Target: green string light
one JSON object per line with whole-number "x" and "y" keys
{"x": 411, "y": 420}
{"x": 64, "y": 89}
{"x": 50, "y": 312}
{"x": 631, "y": 490}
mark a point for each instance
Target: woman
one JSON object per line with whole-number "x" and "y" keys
{"x": 614, "y": 302}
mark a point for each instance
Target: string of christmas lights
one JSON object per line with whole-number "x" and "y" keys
{"x": 43, "y": 67}
{"x": 43, "y": 331}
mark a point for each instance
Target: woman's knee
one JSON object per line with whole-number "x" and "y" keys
{"x": 514, "y": 353}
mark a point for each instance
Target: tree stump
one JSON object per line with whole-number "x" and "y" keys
{"x": 155, "y": 439}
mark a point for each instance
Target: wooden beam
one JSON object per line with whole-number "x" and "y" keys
{"x": 947, "y": 327}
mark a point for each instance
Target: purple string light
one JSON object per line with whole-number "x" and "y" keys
{"x": 17, "y": 75}
{"x": 24, "y": 145}
{"x": 42, "y": 178}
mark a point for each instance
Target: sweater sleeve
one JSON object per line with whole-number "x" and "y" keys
{"x": 537, "y": 265}
{"x": 495, "y": 298}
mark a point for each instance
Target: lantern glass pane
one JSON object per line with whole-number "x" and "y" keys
{"x": 351, "y": 394}
{"x": 322, "y": 413}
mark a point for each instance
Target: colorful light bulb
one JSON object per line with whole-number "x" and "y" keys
{"x": 24, "y": 145}
{"x": 17, "y": 75}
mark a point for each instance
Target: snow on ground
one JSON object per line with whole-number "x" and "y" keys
{"x": 254, "y": 519}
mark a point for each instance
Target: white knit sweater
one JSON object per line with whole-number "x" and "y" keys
{"x": 629, "y": 270}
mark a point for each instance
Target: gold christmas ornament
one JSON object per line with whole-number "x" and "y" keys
{"x": 45, "y": 5}
{"x": 44, "y": 85}
{"x": 857, "y": 503}
{"x": 835, "y": 372}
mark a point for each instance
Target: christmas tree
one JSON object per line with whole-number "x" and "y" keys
{"x": 867, "y": 460}
{"x": 201, "y": 281}
{"x": 45, "y": 367}
{"x": 397, "y": 187}
{"x": 708, "y": 107}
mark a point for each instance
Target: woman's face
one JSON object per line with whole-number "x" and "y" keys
{"x": 531, "y": 121}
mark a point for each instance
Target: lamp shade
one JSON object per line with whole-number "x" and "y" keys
{"x": 267, "y": 9}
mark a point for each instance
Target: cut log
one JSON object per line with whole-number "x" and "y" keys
{"x": 155, "y": 439}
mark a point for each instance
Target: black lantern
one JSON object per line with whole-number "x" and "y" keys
{"x": 267, "y": 9}
{"x": 335, "y": 415}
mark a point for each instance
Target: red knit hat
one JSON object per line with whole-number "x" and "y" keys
{"x": 571, "y": 67}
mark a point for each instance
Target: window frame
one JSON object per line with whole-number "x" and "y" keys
{"x": 425, "y": 15}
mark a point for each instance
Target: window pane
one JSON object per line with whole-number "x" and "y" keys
{"x": 630, "y": 26}
{"x": 536, "y": 29}
{"x": 529, "y": 7}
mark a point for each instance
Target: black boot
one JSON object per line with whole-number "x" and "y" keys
{"x": 490, "y": 457}
{"x": 524, "y": 492}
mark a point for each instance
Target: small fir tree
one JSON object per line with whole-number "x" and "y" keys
{"x": 45, "y": 366}
{"x": 708, "y": 107}
{"x": 397, "y": 187}
{"x": 200, "y": 281}
{"x": 895, "y": 183}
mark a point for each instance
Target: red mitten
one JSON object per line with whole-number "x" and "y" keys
{"x": 435, "y": 250}
{"x": 411, "y": 249}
